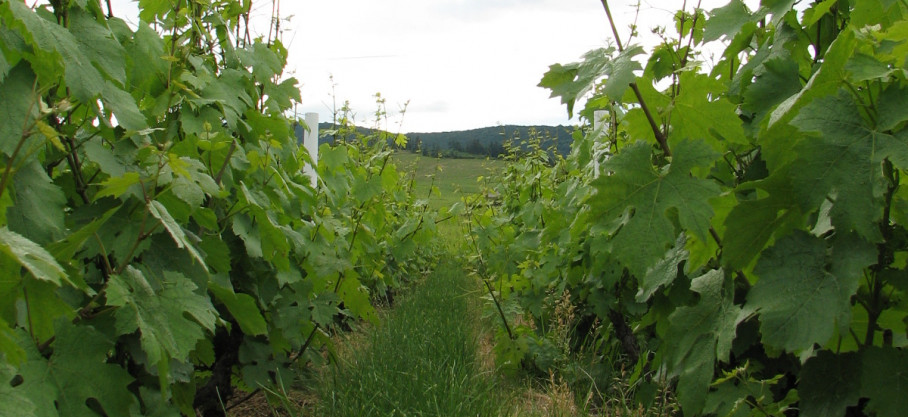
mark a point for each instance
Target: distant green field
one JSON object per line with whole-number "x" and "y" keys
{"x": 453, "y": 177}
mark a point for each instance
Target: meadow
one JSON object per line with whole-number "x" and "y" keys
{"x": 454, "y": 177}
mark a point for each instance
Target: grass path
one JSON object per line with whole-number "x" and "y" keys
{"x": 422, "y": 360}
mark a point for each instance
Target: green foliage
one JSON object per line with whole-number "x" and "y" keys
{"x": 739, "y": 227}
{"x": 159, "y": 241}
{"x": 637, "y": 199}
{"x": 700, "y": 335}
{"x": 574, "y": 80}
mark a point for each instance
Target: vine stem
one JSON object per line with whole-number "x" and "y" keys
{"x": 491, "y": 291}
{"x": 875, "y": 302}
{"x": 738, "y": 274}
{"x": 217, "y": 178}
{"x": 611, "y": 22}
{"x": 690, "y": 40}
{"x": 173, "y": 43}
{"x": 489, "y": 288}
{"x": 660, "y": 136}
{"x": 424, "y": 209}
{"x": 76, "y": 166}
{"x": 28, "y": 314}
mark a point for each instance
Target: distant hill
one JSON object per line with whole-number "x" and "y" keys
{"x": 489, "y": 141}
{"x": 482, "y": 142}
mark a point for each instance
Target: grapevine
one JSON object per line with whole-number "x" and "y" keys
{"x": 739, "y": 226}
{"x": 159, "y": 242}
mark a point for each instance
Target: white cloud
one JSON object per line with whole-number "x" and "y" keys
{"x": 460, "y": 63}
{"x": 482, "y": 58}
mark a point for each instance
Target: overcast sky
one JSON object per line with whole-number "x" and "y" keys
{"x": 461, "y": 64}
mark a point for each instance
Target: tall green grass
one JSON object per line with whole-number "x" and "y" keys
{"x": 454, "y": 178}
{"x": 421, "y": 361}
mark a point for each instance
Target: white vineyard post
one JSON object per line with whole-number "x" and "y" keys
{"x": 310, "y": 142}
{"x": 600, "y": 123}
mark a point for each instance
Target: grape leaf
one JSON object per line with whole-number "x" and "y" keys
{"x": 635, "y": 121}
{"x": 117, "y": 186}
{"x": 249, "y": 233}
{"x": 619, "y": 72}
{"x": 47, "y": 307}
{"x": 324, "y": 308}
{"x": 356, "y": 298}
{"x": 803, "y": 293}
{"x": 777, "y": 8}
{"x": 884, "y": 379}
{"x": 664, "y": 272}
{"x": 875, "y": 12}
{"x": 38, "y": 210}
{"x": 863, "y": 67}
{"x": 813, "y": 14}
{"x": 147, "y": 48}
{"x": 32, "y": 257}
{"x": 9, "y": 348}
{"x": 662, "y": 62}
{"x": 732, "y": 397}
{"x": 77, "y": 371}
{"x": 68, "y": 247}
{"x": 776, "y": 80}
{"x": 217, "y": 254}
{"x": 894, "y": 36}
{"x": 5, "y": 65}
{"x": 262, "y": 366}
{"x": 157, "y": 404}
{"x": 572, "y": 81}
{"x": 892, "y": 108}
{"x": 187, "y": 191}
{"x": 844, "y": 163}
{"x": 170, "y": 316}
{"x": 290, "y": 317}
{"x": 776, "y": 141}
{"x": 18, "y": 106}
{"x": 243, "y": 309}
{"x": 13, "y": 401}
{"x": 81, "y": 76}
{"x": 176, "y": 231}
{"x": 639, "y": 201}
{"x": 263, "y": 61}
{"x": 829, "y": 384}
{"x": 151, "y": 10}
{"x": 109, "y": 161}
{"x": 229, "y": 91}
{"x": 124, "y": 107}
{"x": 282, "y": 96}
{"x": 727, "y": 20}
{"x": 98, "y": 44}
{"x": 699, "y": 115}
{"x": 700, "y": 335}
{"x": 752, "y": 223}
